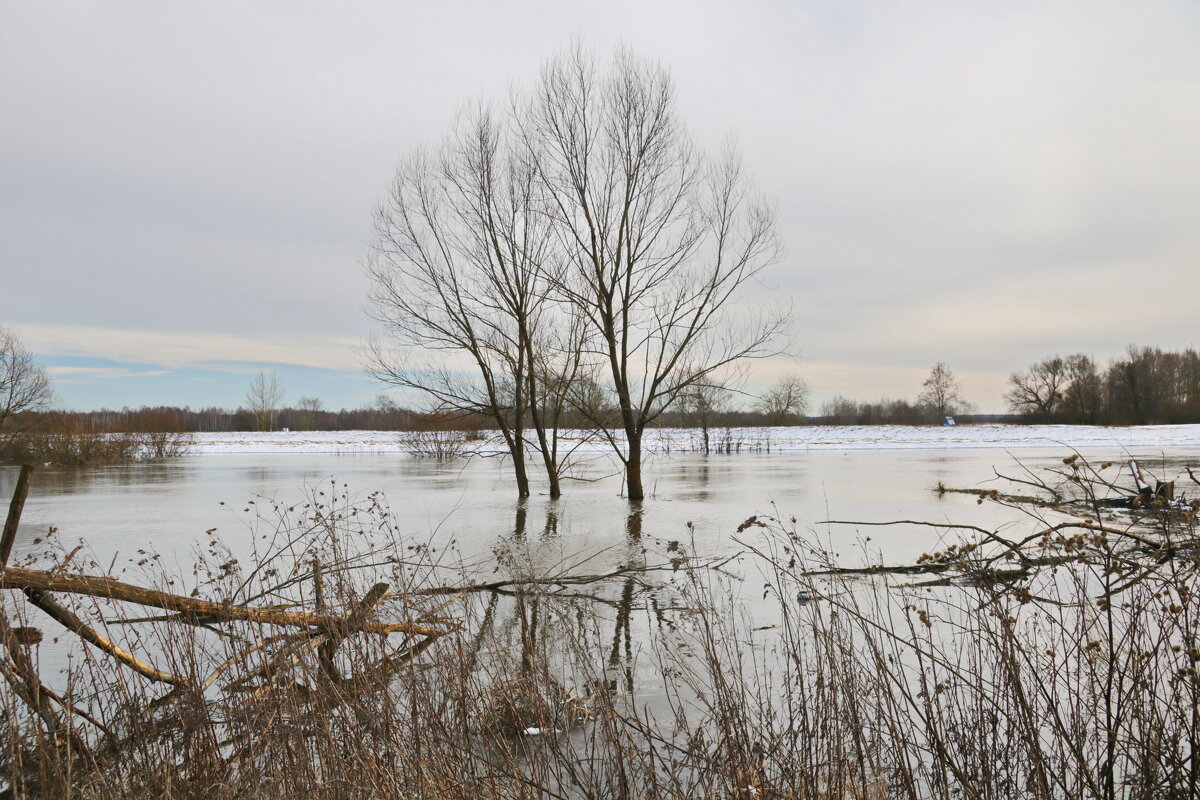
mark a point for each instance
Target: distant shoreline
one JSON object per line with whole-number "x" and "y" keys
{"x": 749, "y": 440}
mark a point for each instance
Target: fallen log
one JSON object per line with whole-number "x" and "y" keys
{"x": 68, "y": 620}
{"x": 108, "y": 588}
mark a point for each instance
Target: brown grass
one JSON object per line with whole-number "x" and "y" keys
{"x": 1077, "y": 680}
{"x": 74, "y": 440}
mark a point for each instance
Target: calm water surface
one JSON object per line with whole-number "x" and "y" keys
{"x": 118, "y": 510}
{"x": 168, "y": 507}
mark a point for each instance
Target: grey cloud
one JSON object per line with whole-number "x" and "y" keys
{"x": 955, "y": 181}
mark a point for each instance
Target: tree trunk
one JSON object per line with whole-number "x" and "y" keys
{"x": 39, "y": 580}
{"x": 518, "y": 455}
{"x": 545, "y": 443}
{"x": 633, "y": 467}
{"x": 514, "y": 438}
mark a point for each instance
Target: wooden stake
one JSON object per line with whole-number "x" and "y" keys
{"x": 14, "y": 513}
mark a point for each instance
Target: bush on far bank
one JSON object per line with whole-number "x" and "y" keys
{"x": 75, "y": 440}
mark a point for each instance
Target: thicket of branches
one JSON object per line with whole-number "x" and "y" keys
{"x": 78, "y": 439}
{"x": 1145, "y": 386}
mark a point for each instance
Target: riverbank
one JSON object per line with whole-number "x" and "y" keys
{"x": 773, "y": 440}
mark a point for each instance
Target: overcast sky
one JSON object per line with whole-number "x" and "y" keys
{"x": 187, "y": 187}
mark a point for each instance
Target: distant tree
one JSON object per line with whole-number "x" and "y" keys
{"x": 24, "y": 384}
{"x": 701, "y": 407}
{"x": 386, "y": 405}
{"x": 386, "y": 414}
{"x": 1039, "y": 392}
{"x": 1140, "y": 386}
{"x": 153, "y": 420}
{"x": 1187, "y": 386}
{"x": 844, "y": 411}
{"x": 1083, "y": 400}
{"x": 839, "y": 410}
{"x": 308, "y": 413}
{"x": 941, "y": 393}
{"x": 263, "y": 399}
{"x": 590, "y": 404}
{"x": 1150, "y": 386}
{"x": 785, "y": 402}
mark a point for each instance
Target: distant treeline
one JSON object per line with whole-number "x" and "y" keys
{"x": 843, "y": 411}
{"x": 1145, "y": 386}
{"x": 173, "y": 419}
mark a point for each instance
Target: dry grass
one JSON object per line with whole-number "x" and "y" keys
{"x": 1077, "y": 679}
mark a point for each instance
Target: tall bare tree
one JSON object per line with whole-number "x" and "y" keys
{"x": 656, "y": 239}
{"x": 24, "y": 384}
{"x": 263, "y": 399}
{"x": 457, "y": 270}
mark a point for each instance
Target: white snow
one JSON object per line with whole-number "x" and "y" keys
{"x": 539, "y": 731}
{"x": 774, "y": 440}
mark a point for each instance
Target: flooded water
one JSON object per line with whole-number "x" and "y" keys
{"x": 118, "y": 510}
{"x": 695, "y": 499}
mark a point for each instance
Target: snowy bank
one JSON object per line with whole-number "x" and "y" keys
{"x": 764, "y": 440}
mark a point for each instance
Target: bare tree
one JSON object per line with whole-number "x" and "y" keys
{"x": 1144, "y": 386}
{"x": 1083, "y": 399}
{"x": 942, "y": 394}
{"x": 1039, "y": 392}
{"x": 456, "y": 269}
{"x": 263, "y": 399}
{"x": 309, "y": 410}
{"x": 656, "y": 239}
{"x": 701, "y": 407}
{"x": 786, "y": 401}
{"x": 839, "y": 410}
{"x": 1141, "y": 385}
{"x": 24, "y": 385}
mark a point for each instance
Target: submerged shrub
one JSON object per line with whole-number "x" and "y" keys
{"x": 73, "y": 440}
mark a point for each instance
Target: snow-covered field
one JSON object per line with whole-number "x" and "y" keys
{"x": 774, "y": 440}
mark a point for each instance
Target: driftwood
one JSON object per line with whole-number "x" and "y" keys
{"x": 68, "y": 620}
{"x": 191, "y": 607}
{"x": 324, "y": 632}
{"x": 1157, "y": 527}
{"x": 321, "y": 629}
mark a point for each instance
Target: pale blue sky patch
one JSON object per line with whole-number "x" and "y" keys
{"x": 102, "y": 383}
